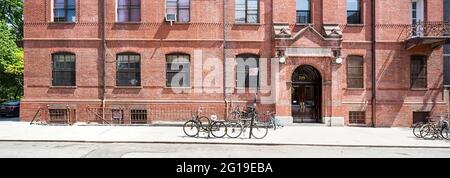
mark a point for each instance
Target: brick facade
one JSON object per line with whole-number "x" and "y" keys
{"x": 153, "y": 39}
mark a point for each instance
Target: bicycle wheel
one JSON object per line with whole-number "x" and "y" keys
{"x": 445, "y": 133}
{"x": 191, "y": 128}
{"x": 260, "y": 131}
{"x": 234, "y": 129}
{"x": 205, "y": 122}
{"x": 427, "y": 132}
{"x": 218, "y": 129}
{"x": 416, "y": 130}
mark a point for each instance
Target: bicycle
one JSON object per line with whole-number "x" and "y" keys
{"x": 234, "y": 127}
{"x": 435, "y": 130}
{"x": 445, "y": 130}
{"x": 200, "y": 123}
{"x": 258, "y": 129}
{"x": 273, "y": 122}
{"x": 416, "y": 129}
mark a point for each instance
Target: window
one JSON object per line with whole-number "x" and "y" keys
{"x": 129, "y": 10}
{"x": 247, "y": 71}
{"x": 414, "y": 17}
{"x": 357, "y": 117}
{"x": 64, "y": 11}
{"x": 418, "y": 72}
{"x": 117, "y": 116}
{"x": 247, "y": 11}
{"x": 63, "y": 70}
{"x": 303, "y": 11}
{"x": 177, "y": 70}
{"x": 355, "y": 72}
{"x": 58, "y": 116}
{"x": 138, "y": 116}
{"x": 447, "y": 65}
{"x": 128, "y": 70}
{"x": 420, "y": 117}
{"x": 354, "y": 12}
{"x": 179, "y": 7}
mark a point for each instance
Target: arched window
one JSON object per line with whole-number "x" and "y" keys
{"x": 63, "y": 69}
{"x": 128, "y": 70}
{"x": 64, "y": 11}
{"x": 355, "y": 72}
{"x": 128, "y": 10}
{"x": 178, "y": 70}
{"x": 247, "y": 71}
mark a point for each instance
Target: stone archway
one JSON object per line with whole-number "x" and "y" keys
{"x": 306, "y": 95}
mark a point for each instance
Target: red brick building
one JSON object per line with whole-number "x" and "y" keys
{"x": 315, "y": 59}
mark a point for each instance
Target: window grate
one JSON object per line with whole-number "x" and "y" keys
{"x": 357, "y": 117}
{"x": 59, "y": 116}
{"x": 138, "y": 116}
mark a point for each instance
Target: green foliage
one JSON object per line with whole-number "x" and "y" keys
{"x": 11, "y": 12}
{"x": 11, "y": 65}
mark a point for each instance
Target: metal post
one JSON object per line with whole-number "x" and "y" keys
{"x": 374, "y": 67}
{"x": 104, "y": 57}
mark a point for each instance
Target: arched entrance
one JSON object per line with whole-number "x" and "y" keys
{"x": 306, "y": 100}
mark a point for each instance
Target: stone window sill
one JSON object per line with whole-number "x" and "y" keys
{"x": 63, "y": 87}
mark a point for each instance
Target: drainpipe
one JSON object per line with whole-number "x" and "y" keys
{"x": 225, "y": 57}
{"x": 374, "y": 73}
{"x": 104, "y": 57}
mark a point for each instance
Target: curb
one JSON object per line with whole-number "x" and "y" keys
{"x": 225, "y": 143}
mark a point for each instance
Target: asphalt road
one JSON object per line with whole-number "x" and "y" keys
{"x": 121, "y": 150}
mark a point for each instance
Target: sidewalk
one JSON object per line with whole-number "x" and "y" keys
{"x": 294, "y": 135}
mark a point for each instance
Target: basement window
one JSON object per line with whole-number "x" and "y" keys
{"x": 138, "y": 116}
{"x": 59, "y": 116}
{"x": 420, "y": 117}
{"x": 117, "y": 116}
{"x": 357, "y": 117}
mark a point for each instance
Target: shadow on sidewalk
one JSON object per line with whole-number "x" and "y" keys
{"x": 9, "y": 119}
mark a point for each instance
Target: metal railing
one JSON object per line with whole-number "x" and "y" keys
{"x": 133, "y": 116}
{"x": 38, "y": 117}
{"x": 429, "y": 29}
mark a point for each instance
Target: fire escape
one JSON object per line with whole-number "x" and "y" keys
{"x": 428, "y": 35}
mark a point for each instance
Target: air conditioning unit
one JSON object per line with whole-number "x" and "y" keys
{"x": 171, "y": 18}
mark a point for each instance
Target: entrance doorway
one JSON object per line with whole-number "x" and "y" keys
{"x": 306, "y": 100}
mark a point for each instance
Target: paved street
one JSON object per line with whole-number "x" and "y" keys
{"x": 121, "y": 150}
{"x": 292, "y": 135}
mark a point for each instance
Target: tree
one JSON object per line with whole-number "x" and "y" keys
{"x": 11, "y": 12}
{"x": 11, "y": 64}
